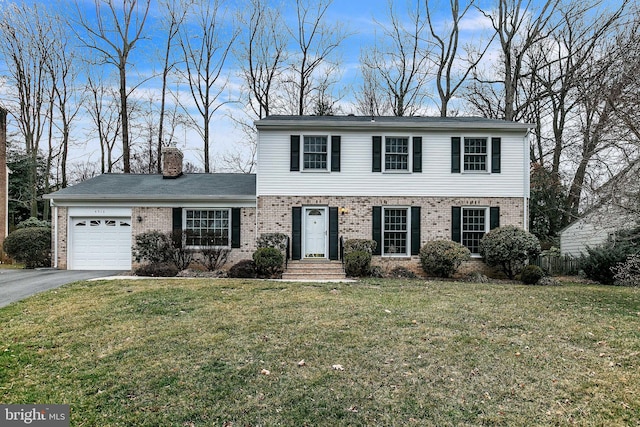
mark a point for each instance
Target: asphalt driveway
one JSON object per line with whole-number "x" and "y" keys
{"x": 19, "y": 284}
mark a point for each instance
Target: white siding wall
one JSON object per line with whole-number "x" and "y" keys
{"x": 592, "y": 230}
{"x": 357, "y": 179}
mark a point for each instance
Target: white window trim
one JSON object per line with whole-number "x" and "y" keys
{"x": 408, "y": 232}
{"x": 487, "y": 222}
{"x": 199, "y": 247}
{"x": 409, "y": 168}
{"x": 328, "y": 168}
{"x": 487, "y": 171}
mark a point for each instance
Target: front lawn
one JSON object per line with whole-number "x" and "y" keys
{"x": 378, "y": 352}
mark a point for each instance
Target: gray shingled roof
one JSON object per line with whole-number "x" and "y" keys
{"x": 200, "y": 186}
{"x": 359, "y": 122}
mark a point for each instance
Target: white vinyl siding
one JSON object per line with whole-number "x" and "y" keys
{"x": 357, "y": 179}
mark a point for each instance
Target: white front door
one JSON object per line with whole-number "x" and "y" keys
{"x": 315, "y": 233}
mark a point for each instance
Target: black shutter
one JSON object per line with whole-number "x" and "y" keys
{"x": 177, "y": 220}
{"x": 236, "y": 219}
{"x": 495, "y": 155}
{"x": 295, "y": 153}
{"x": 415, "y": 230}
{"x": 377, "y": 154}
{"x": 417, "y": 154}
{"x": 456, "y": 219}
{"x": 455, "y": 154}
{"x": 377, "y": 229}
{"x": 335, "y": 153}
{"x": 494, "y": 217}
{"x": 333, "y": 233}
{"x": 296, "y": 233}
{"x": 176, "y": 228}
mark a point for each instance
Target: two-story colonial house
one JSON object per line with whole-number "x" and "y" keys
{"x": 400, "y": 181}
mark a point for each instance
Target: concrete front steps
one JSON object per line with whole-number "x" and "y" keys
{"x": 314, "y": 270}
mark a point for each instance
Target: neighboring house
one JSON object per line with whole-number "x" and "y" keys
{"x": 593, "y": 229}
{"x": 616, "y": 210}
{"x": 94, "y": 222}
{"x": 400, "y": 181}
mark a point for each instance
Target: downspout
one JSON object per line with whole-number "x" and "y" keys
{"x": 55, "y": 233}
{"x": 527, "y": 179}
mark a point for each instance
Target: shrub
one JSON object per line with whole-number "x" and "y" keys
{"x": 476, "y": 277}
{"x": 269, "y": 262}
{"x": 364, "y": 245}
{"x": 548, "y": 281}
{"x": 156, "y": 247}
{"x": 357, "y": 263}
{"x": 599, "y": 262}
{"x": 33, "y": 222}
{"x": 31, "y": 246}
{"x": 531, "y": 274}
{"x": 245, "y": 269}
{"x": 153, "y": 247}
{"x": 376, "y": 271}
{"x": 509, "y": 248}
{"x": 180, "y": 255}
{"x": 442, "y": 258}
{"x": 402, "y": 273}
{"x": 628, "y": 272}
{"x": 159, "y": 269}
{"x": 273, "y": 240}
{"x": 214, "y": 258}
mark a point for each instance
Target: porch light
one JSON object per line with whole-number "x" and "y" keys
{"x": 343, "y": 210}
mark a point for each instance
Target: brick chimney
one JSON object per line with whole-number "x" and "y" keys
{"x": 4, "y": 179}
{"x": 171, "y": 163}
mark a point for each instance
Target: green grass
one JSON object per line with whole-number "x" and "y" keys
{"x": 191, "y": 352}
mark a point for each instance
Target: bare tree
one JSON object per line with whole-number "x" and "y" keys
{"x": 398, "y": 66}
{"x": 176, "y": 12}
{"x": 606, "y": 134}
{"x": 113, "y": 31}
{"x": 315, "y": 42}
{"x": 262, "y": 54}
{"x": 104, "y": 110}
{"x": 24, "y": 31}
{"x": 518, "y": 26}
{"x": 205, "y": 53}
{"x": 452, "y": 70}
{"x": 62, "y": 65}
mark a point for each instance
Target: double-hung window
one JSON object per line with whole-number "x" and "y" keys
{"x": 315, "y": 153}
{"x": 396, "y": 231}
{"x": 475, "y": 154}
{"x": 474, "y": 226}
{"x": 207, "y": 227}
{"x": 396, "y": 154}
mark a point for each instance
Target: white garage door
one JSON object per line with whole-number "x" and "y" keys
{"x": 101, "y": 243}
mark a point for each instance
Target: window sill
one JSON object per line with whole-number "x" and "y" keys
{"x": 315, "y": 171}
{"x": 397, "y": 172}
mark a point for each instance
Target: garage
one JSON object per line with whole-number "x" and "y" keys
{"x": 102, "y": 243}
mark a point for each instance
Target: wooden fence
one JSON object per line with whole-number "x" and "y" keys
{"x": 557, "y": 265}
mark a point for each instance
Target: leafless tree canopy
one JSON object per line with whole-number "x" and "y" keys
{"x": 131, "y": 76}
